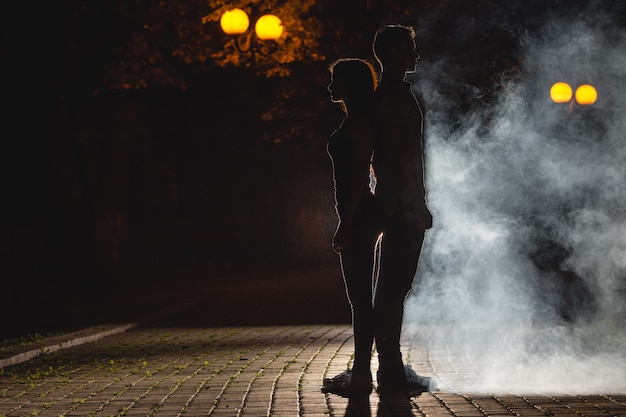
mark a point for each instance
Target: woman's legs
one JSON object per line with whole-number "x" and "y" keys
{"x": 358, "y": 261}
{"x": 357, "y": 265}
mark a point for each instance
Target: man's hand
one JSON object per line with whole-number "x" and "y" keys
{"x": 424, "y": 218}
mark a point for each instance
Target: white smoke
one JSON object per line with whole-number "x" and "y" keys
{"x": 524, "y": 271}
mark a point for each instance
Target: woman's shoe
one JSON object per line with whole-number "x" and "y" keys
{"x": 347, "y": 383}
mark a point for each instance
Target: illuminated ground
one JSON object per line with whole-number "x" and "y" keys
{"x": 252, "y": 371}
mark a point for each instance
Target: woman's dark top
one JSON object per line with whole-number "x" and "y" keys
{"x": 350, "y": 163}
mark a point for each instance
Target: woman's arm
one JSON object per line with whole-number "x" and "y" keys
{"x": 361, "y": 138}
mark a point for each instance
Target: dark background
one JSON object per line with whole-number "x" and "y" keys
{"x": 204, "y": 170}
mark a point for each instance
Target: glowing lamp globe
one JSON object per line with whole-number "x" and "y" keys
{"x": 268, "y": 27}
{"x": 561, "y": 92}
{"x": 586, "y": 94}
{"x": 234, "y": 22}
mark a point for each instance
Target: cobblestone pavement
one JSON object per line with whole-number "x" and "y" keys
{"x": 250, "y": 371}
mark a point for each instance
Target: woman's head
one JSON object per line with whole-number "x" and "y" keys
{"x": 353, "y": 82}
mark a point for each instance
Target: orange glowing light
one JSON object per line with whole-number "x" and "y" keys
{"x": 234, "y": 22}
{"x": 561, "y": 92}
{"x": 268, "y": 27}
{"x": 586, "y": 94}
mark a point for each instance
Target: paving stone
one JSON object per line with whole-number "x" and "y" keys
{"x": 271, "y": 369}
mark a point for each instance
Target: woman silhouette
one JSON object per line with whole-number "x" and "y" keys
{"x": 353, "y": 82}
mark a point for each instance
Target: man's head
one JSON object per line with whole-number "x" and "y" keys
{"x": 394, "y": 48}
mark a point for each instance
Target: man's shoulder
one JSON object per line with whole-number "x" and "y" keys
{"x": 394, "y": 87}
{"x": 395, "y": 102}
{"x": 358, "y": 126}
{"x": 394, "y": 91}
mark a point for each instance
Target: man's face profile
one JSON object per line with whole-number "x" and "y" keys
{"x": 404, "y": 56}
{"x": 412, "y": 57}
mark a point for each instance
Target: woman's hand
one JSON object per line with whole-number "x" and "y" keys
{"x": 342, "y": 236}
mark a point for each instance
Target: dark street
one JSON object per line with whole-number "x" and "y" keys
{"x": 169, "y": 198}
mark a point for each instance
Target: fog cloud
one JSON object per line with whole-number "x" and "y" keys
{"x": 524, "y": 271}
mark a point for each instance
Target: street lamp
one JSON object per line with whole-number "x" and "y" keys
{"x": 234, "y": 22}
{"x": 561, "y": 92}
{"x": 268, "y": 27}
{"x": 585, "y": 95}
{"x": 237, "y": 22}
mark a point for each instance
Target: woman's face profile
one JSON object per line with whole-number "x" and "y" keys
{"x": 336, "y": 89}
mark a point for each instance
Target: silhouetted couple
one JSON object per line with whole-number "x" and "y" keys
{"x": 381, "y": 132}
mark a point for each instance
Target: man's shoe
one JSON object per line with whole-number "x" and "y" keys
{"x": 347, "y": 383}
{"x": 412, "y": 383}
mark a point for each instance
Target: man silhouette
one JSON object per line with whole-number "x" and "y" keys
{"x": 398, "y": 163}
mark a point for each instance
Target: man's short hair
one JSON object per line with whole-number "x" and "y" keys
{"x": 392, "y": 36}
